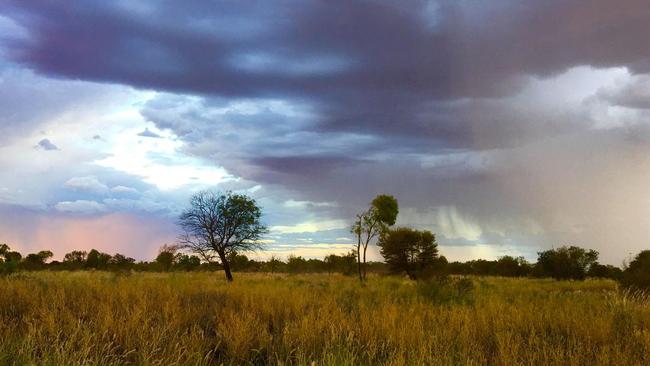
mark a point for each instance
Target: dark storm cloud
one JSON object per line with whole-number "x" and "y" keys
{"x": 365, "y": 66}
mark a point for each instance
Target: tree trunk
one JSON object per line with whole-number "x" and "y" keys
{"x": 410, "y": 274}
{"x": 365, "y": 247}
{"x": 359, "y": 251}
{"x": 226, "y": 267}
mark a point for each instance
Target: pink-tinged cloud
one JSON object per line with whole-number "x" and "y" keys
{"x": 131, "y": 235}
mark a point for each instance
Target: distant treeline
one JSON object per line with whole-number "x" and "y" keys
{"x": 562, "y": 263}
{"x": 169, "y": 259}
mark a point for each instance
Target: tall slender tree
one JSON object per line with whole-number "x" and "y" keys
{"x": 370, "y": 224}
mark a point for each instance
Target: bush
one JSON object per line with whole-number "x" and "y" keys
{"x": 637, "y": 274}
{"x": 7, "y": 268}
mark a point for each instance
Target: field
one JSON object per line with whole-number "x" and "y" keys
{"x": 97, "y": 318}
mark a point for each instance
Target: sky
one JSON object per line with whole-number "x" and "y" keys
{"x": 505, "y": 127}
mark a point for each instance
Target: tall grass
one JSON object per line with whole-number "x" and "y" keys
{"x": 198, "y": 319}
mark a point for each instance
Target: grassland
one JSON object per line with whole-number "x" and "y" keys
{"x": 85, "y": 318}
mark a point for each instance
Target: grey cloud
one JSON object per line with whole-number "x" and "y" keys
{"x": 635, "y": 93}
{"x": 366, "y": 67}
{"x": 148, "y": 133}
{"x": 47, "y": 145}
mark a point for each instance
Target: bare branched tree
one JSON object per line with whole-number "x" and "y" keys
{"x": 218, "y": 225}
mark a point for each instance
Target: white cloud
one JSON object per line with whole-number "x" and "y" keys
{"x": 147, "y": 205}
{"x": 80, "y": 206}
{"x": 310, "y": 250}
{"x": 86, "y": 184}
{"x": 123, "y": 189}
{"x": 158, "y": 161}
{"x": 309, "y": 227}
{"x": 305, "y": 204}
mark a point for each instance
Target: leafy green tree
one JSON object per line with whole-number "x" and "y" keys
{"x": 408, "y": 250}
{"x": 75, "y": 259}
{"x": 344, "y": 264}
{"x": 238, "y": 262}
{"x": 12, "y": 256}
{"x": 4, "y": 249}
{"x": 166, "y": 257}
{"x": 598, "y": 270}
{"x": 636, "y": 275}
{"x": 273, "y": 264}
{"x": 97, "y": 260}
{"x": 35, "y": 261}
{"x": 370, "y": 224}
{"x": 296, "y": 264}
{"x": 508, "y": 266}
{"x": 121, "y": 262}
{"x": 188, "y": 262}
{"x": 217, "y": 225}
{"x": 567, "y": 262}
{"x": 8, "y": 260}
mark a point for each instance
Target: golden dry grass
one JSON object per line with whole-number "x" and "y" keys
{"x": 99, "y": 318}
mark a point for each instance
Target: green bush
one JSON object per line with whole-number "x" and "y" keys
{"x": 7, "y": 268}
{"x": 637, "y": 274}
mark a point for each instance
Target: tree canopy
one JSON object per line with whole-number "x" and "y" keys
{"x": 409, "y": 250}
{"x": 567, "y": 262}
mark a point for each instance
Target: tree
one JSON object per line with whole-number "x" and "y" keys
{"x": 296, "y": 264}
{"x": 238, "y": 262}
{"x": 188, "y": 262}
{"x": 566, "y": 263}
{"x": 217, "y": 225}
{"x": 371, "y": 223}
{"x": 97, "y": 259}
{"x": 13, "y": 257}
{"x": 341, "y": 263}
{"x": 508, "y": 266}
{"x": 409, "y": 250}
{"x": 605, "y": 271}
{"x": 8, "y": 260}
{"x": 273, "y": 264}
{"x": 37, "y": 260}
{"x": 4, "y": 249}
{"x": 121, "y": 261}
{"x": 75, "y": 259}
{"x": 166, "y": 257}
{"x": 636, "y": 275}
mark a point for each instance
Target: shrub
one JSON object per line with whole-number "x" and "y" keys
{"x": 637, "y": 274}
{"x": 7, "y": 268}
